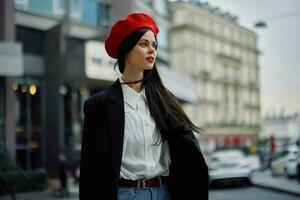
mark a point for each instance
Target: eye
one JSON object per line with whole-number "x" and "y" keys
{"x": 154, "y": 45}
{"x": 143, "y": 44}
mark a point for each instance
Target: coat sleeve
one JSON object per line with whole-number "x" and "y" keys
{"x": 200, "y": 166}
{"x": 87, "y": 149}
{"x": 188, "y": 170}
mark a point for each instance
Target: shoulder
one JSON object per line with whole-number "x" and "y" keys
{"x": 96, "y": 100}
{"x": 102, "y": 98}
{"x": 98, "y": 97}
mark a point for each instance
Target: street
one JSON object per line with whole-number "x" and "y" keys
{"x": 264, "y": 187}
{"x": 248, "y": 193}
{"x": 224, "y": 193}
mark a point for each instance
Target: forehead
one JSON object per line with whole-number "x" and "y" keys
{"x": 149, "y": 35}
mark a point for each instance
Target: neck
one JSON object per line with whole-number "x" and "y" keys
{"x": 131, "y": 78}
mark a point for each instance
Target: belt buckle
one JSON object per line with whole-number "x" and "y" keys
{"x": 143, "y": 181}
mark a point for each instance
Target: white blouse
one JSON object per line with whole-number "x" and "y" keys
{"x": 143, "y": 156}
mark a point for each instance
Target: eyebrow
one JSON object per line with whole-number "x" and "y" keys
{"x": 147, "y": 40}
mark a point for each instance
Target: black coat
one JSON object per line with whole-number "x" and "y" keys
{"x": 102, "y": 146}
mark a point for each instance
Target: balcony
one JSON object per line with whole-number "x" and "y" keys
{"x": 232, "y": 61}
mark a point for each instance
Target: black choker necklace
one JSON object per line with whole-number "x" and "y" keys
{"x": 145, "y": 78}
{"x": 133, "y": 82}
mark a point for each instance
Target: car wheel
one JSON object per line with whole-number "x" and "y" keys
{"x": 248, "y": 182}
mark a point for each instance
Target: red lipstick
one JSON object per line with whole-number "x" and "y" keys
{"x": 150, "y": 59}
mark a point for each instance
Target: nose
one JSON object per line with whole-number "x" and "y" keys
{"x": 151, "y": 49}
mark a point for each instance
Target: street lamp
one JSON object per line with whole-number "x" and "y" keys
{"x": 260, "y": 24}
{"x": 263, "y": 23}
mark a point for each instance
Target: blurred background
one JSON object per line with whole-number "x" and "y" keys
{"x": 233, "y": 65}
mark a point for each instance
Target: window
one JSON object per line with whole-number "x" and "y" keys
{"x": 210, "y": 114}
{"x": 75, "y": 8}
{"x": 29, "y": 130}
{"x": 58, "y": 7}
{"x": 206, "y": 24}
{"x": 227, "y": 49}
{"x": 198, "y": 20}
{"x": 44, "y": 6}
{"x": 23, "y": 4}
{"x": 104, "y": 14}
{"x": 217, "y": 46}
{"x": 90, "y": 13}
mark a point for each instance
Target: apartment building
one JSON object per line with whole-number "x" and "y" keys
{"x": 221, "y": 56}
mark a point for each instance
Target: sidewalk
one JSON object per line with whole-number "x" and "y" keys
{"x": 279, "y": 183}
{"x": 47, "y": 194}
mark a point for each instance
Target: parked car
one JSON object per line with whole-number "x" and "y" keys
{"x": 254, "y": 162}
{"x": 229, "y": 166}
{"x": 286, "y": 162}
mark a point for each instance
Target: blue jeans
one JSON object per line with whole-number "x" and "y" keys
{"x": 153, "y": 193}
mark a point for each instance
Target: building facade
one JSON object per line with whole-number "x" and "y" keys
{"x": 285, "y": 130}
{"x": 57, "y": 60}
{"x": 41, "y": 104}
{"x": 222, "y": 57}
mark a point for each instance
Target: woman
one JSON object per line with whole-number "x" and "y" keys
{"x": 138, "y": 143}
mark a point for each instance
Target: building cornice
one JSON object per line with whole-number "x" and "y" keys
{"x": 185, "y": 27}
{"x": 195, "y": 8}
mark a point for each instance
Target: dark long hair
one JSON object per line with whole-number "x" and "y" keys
{"x": 163, "y": 106}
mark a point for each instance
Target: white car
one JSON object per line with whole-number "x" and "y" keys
{"x": 286, "y": 162}
{"x": 254, "y": 162}
{"x": 228, "y": 166}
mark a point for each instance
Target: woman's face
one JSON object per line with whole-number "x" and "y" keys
{"x": 143, "y": 54}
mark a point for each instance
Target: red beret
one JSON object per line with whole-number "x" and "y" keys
{"x": 122, "y": 28}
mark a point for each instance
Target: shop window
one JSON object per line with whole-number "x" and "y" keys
{"x": 29, "y": 133}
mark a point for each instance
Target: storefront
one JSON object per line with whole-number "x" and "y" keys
{"x": 29, "y": 122}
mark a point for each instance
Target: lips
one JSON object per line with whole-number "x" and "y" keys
{"x": 150, "y": 59}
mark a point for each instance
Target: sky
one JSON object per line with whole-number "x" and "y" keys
{"x": 280, "y": 47}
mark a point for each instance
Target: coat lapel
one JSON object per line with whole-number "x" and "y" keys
{"x": 116, "y": 120}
